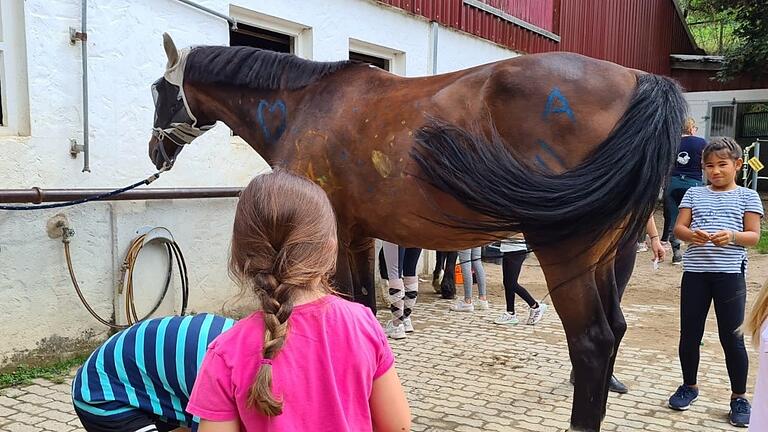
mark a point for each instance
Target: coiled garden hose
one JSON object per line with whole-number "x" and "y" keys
{"x": 131, "y": 313}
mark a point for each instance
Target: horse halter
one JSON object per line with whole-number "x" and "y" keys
{"x": 181, "y": 129}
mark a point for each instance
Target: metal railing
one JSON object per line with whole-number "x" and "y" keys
{"x": 750, "y": 177}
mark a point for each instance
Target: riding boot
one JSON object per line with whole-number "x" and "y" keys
{"x": 617, "y": 386}
{"x": 614, "y": 384}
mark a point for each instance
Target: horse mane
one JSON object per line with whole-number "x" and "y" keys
{"x": 256, "y": 68}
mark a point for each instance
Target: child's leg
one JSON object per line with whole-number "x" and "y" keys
{"x": 465, "y": 261}
{"x": 130, "y": 421}
{"x": 411, "y": 281}
{"x": 394, "y": 283}
{"x": 669, "y": 205}
{"x": 477, "y": 264}
{"x": 695, "y": 299}
{"x": 730, "y": 294}
{"x": 512, "y": 263}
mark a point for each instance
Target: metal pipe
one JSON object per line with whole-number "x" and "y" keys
{"x": 37, "y": 195}
{"x": 755, "y": 176}
{"x": 229, "y": 19}
{"x": 435, "y": 28}
{"x": 84, "y": 47}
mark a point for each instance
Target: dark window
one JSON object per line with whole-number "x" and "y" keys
{"x": 2, "y": 118}
{"x": 753, "y": 120}
{"x": 365, "y": 58}
{"x": 251, "y": 36}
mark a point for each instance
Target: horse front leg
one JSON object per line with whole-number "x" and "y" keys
{"x": 342, "y": 279}
{"x": 590, "y": 338}
{"x": 448, "y": 284}
{"x": 362, "y": 259}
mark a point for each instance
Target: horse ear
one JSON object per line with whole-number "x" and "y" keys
{"x": 170, "y": 50}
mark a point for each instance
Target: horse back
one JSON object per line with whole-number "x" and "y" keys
{"x": 555, "y": 108}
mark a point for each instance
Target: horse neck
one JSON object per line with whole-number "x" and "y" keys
{"x": 248, "y": 112}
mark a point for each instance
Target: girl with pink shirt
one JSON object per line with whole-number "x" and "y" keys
{"x": 307, "y": 360}
{"x": 756, "y": 325}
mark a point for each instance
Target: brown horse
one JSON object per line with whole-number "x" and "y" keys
{"x": 569, "y": 150}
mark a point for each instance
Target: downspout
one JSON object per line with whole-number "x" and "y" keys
{"x": 84, "y": 46}
{"x": 82, "y": 36}
{"x": 435, "y": 27}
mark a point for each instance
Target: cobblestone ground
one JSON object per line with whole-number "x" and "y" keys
{"x": 463, "y": 373}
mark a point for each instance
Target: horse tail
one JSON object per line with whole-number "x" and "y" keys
{"x": 617, "y": 185}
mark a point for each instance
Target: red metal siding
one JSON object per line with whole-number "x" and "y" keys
{"x": 700, "y": 80}
{"x": 639, "y": 34}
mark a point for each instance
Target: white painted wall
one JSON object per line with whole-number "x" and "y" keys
{"x": 37, "y": 300}
{"x": 699, "y": 102}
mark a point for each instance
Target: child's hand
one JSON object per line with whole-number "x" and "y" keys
{"x": 721, "y": 238}
{"x": 700, "y": 238}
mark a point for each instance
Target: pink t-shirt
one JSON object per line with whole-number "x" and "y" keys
{"x": 324, "y": 372}
{"x": 758, "y": 421}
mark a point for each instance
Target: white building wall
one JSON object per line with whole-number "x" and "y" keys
{"x": 39, "y": 312}
{"x": 699, "y": 103}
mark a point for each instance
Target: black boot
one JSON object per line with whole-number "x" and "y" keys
{"x": 616, "y": 386}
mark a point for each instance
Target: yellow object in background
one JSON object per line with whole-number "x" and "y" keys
{"x": 755, "y": 164}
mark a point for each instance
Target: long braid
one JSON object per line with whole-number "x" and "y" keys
{"x": 277, "y": 305}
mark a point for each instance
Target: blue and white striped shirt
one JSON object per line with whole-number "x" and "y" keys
{"x": 713, "y": 211}
{"x": 150, "y": 366}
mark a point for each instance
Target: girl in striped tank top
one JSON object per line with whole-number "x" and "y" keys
{"x": 717, "y": 221}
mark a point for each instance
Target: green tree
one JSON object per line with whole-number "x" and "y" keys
{"x": 738, "y": 29}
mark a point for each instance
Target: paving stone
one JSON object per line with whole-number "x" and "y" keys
{"x": 463, "y": 373}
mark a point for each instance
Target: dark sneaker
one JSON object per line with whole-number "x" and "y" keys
{"x": 617, "y": 386}
{"x": 740, "y": 410}
{"x": 683, "y": 398}
{"x": 677, "y": 257}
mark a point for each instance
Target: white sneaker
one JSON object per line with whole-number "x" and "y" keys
{"x": 395, "y": 331}
{"x": 408, "y": 325}
{"x": 462, "y": 306}
{"x": 507, "y": 318}
{"x": 642, "y": 247}
{"x": 481, "y": 305}
{"x": 535, "y": 315}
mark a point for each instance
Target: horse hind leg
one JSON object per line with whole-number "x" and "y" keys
{"x": 589, "y": 335}
{"x": 610, "y": 294}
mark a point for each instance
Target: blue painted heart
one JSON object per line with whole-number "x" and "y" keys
{"x": 272, "y": 118}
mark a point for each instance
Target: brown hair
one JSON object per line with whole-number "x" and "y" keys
{"x": 724, "y": 147}
{"x": 283, "y": 245}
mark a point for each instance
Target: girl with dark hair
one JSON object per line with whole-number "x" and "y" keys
{"x": 717, "y": 221}
{"x": 307, "y": 360}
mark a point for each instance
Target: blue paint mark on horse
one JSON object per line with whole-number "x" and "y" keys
{"x": 542, "y": 163}
{"x": 556, "y": 104}
{"x": 343, "y": 155}
{"x": 547, "y": 148}
{"x": 272, "y": 134}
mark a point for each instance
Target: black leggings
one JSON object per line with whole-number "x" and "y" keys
{"x": 728, "y": 291}
{"x": 511, "y": 264}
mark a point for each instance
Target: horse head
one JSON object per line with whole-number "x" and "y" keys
{"x": 175, "y": 126}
